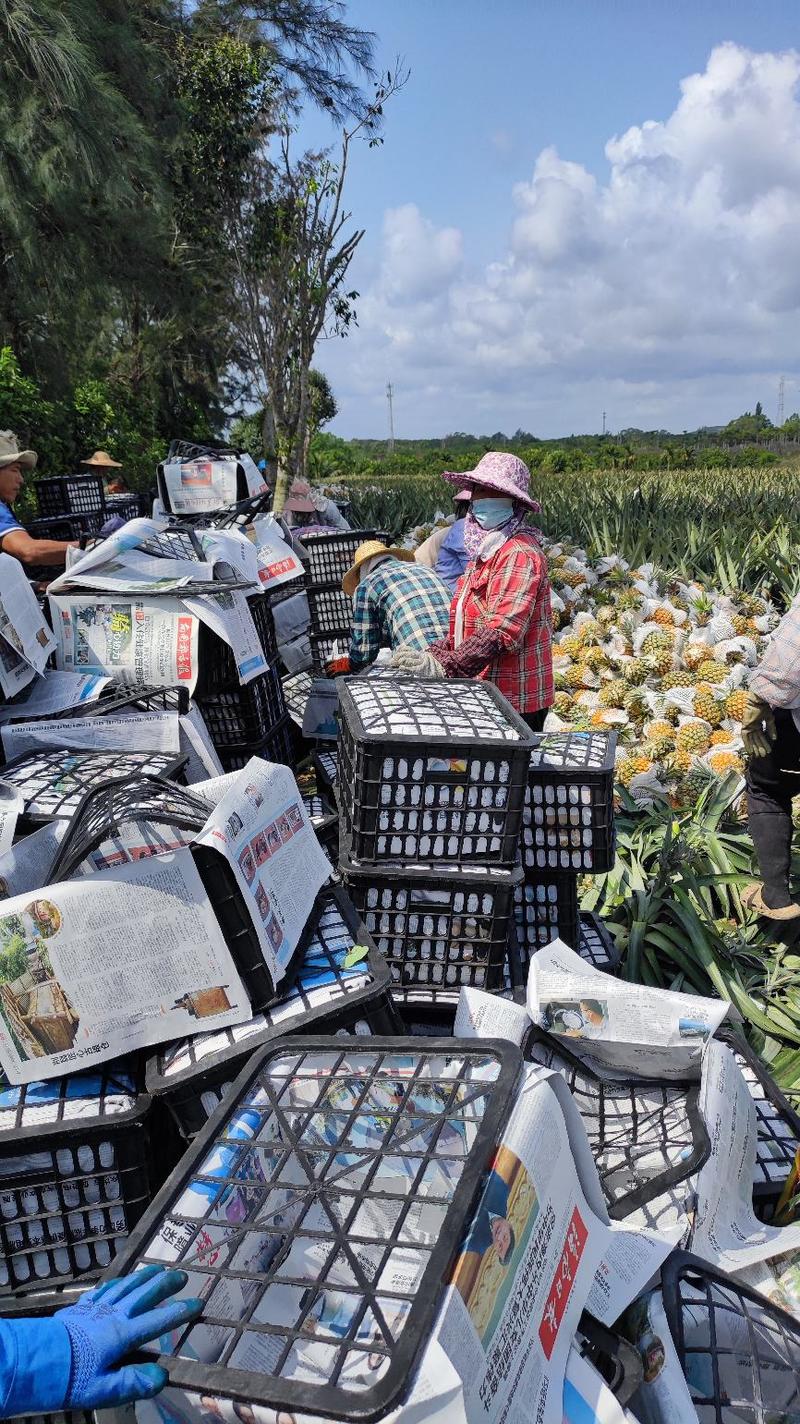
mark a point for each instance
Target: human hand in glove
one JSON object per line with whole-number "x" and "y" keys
{"x": 758, "y": 727}
{"x": 417, "y": 663}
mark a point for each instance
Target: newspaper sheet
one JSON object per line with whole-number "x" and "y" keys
{"x": 663, "y": 1396}
{"x": 228, "y": 615}
{"x": 138, "y": 573}
{"x": 778, "y": 1279}
{"x": 727, "y": 1232}
{"x": 79, "y": 987}
{"x": 277, "y": 560}
{"x": 232, "y": 548}
{"x": 118, "y": 545}
{"x": 26, "y": 866}
{"x": 11, "y": 808}
{"x": 198, "y": 486}
{"x": 21, "y": 623}
{"x": 55, "y": 692}
{"x": 633, "y": 1251}
{"x": 134, "y": 732}
{"x": 255, "y": 480}
{"x": 652, "y": 1032}
{"x": 15, "y": 672}
{"x": 196, "y": 744}
{"x": 587, "y": 1397}
{"x": 262, "y": 829}
{"x": 135, "y": 641}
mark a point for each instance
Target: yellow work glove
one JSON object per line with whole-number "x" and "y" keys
{"x": 758, "y": 727}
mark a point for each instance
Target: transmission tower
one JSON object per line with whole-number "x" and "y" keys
{"x": 781, "y": 393}
{"x": 390, "y": 399}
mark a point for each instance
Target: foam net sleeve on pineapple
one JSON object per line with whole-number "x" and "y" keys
{"x": 75, "y": 1174}
{"x": 568, "y": 821}
{"x": 437, "y": 932}
{"x": 739, "y": 1353}
{"x": 317, "y": 1214}
{"x": 341, "y": 984}
{"x": 645, "y": 1135}
{"x": 430, "y": 772}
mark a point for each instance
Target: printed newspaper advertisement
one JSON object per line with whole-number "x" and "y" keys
{"x": 262, "y": 828}
{"x": 197, "y": 486}
{"x": 136, "y": 642}
{"x": 77, "y": 988}
{"x": 623, "y": 1026}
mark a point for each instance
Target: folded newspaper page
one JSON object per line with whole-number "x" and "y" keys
{"x": 652, "y": 1032}
{"x": 231, "y": 548}
{"x": 262, "y": 828}
{"x": 11, "y": 808}
{"x": 26, "y": 642}
{"x": 133, "y": 732}
{"x": 135, "y": 641}
{"x": 197, "y": 746}
{"x": 277, "y": 560}
{"x": 228, "y": 615}
{"x": 727, "y": 1233}
{"x": 78, "y": 985}
{"x": 663, "y": 1396}
{"x": 199, "y": 486}
{"x": 54, "y": 692}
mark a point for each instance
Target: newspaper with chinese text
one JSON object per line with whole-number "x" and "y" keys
{"x": 135, "y": 641}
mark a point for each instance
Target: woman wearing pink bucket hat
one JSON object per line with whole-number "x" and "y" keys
{"x": 500, "y": 620}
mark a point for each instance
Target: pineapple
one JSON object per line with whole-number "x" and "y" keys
{"x": 664, "y": 616}
{"x": 707, "y": 706}
{"x": 589, "y": 633}
{"x": 563, "y": 704}
{"x": 569, "y": 645}
{"x": 629, "y": 601}
{"x": 656, "y": 642}
{"x": 695, "y": 783}
{"x": 736, "y": 704}
{"x": 751, "y": 606}
{"x": 694, "y": 654}
{"x": 594, "y": 658}
{"x": 693, "y": 736}
{"x": 661, "y": 661}
{"x": 744, "y": 627}
{"x": 612, "y": 694}
{"x": 723, "y": 762}
{"x": 559, "y": 681}
{"x": 631, "y": 766}
{"x": 711, "y": 671}
{"x": 680, "y": 678}
{"x": 659, "y": 748}
{"x": 635, "y": 705}
{"x": 720, "y": 738}
{"x": 661, "y": 728}
{"x": 574, "y": 676}
{"x": 680, "y": 762}
{"x": 571, "y": 577}
{"x": 635, "y": 671}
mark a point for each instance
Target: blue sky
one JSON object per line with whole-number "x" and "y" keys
{"x": 501, "y": 288}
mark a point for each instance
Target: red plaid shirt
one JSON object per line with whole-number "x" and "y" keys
{"x": 509, "y": 593}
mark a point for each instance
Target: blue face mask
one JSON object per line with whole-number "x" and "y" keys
{"x": 491, "y": 513}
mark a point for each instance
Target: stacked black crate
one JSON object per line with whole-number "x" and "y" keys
{"x": 567, "y": 832}
{"x": 431, "y": 786}
{"x": 327, "y": 557}
{"x": 251, "y": 718}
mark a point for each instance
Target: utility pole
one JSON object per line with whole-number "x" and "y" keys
{"x": 781, "y": 393}
{"x": 390, "y": 398}
{"x": 604, "y": 422}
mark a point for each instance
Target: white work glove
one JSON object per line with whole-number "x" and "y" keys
{"x": 417, "y": 663}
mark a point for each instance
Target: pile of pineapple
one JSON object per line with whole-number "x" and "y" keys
{"x": 663, "y": 661}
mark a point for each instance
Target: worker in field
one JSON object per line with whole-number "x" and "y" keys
{"x": 395, "y": 601}
{"x": 500, "y": 621}
{"x": 307, "y": 508}
{"x": 101, "y": 463}
{"x": 771, "y": 736}
{"x": 14, "y": 539}
{"x": 444, "y": 550}
{"x": 83, "y": 1357}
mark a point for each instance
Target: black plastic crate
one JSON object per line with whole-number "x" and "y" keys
{"x": 296, "y": 691}
{"x": 646, "y": 1136}
{"x": 437, "y": 932}
{"x": 142, "y": 799}
{"x": 778, "y": 1124}
{"x": 245, "y": 714}
{"x": 280, "y": 745}
{"x": 350, "y": 1173}
{"x": 740, "y": 1354}
{"x": 192, "y": 1076}
{"x": 568, "y": 823}
{"x": 596, "y": 944}
{"x": 326, "y": 767}
{"x": 324, "y": 647}
{"x": 546, "y": 908}
{"x": 321, "y": 813}
{"x": 116, "y": 698}
{"x": 613, "y": 1357}
{"x": 71, "y": 1187}
{"x": 328, "y": 556}
{"x": 330, "y": 610}
{"x": 70, "y": 494}
{"x": 52, "y": 783}
{"x": 430, "y": 772}
{"x": 217, "y": 671}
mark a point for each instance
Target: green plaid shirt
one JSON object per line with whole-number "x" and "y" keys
{"x": 397, "y": 603}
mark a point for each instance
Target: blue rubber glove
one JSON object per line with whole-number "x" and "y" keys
{"x": 109, "y": 1323}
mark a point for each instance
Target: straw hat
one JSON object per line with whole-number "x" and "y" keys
{"x": 103, "y": 459}
{"x": 370, "y": 550}
{"x": 11, "y": 455}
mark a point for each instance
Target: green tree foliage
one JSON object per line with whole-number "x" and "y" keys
{"x": 750, "y": 426}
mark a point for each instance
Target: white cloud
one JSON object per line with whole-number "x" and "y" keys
{"x": 672, "y": 285}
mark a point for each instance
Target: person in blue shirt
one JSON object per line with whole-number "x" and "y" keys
{"x": 76, "y": 1359}
{"x": 444, "y": 550}
{"x": 13, "y": 538}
